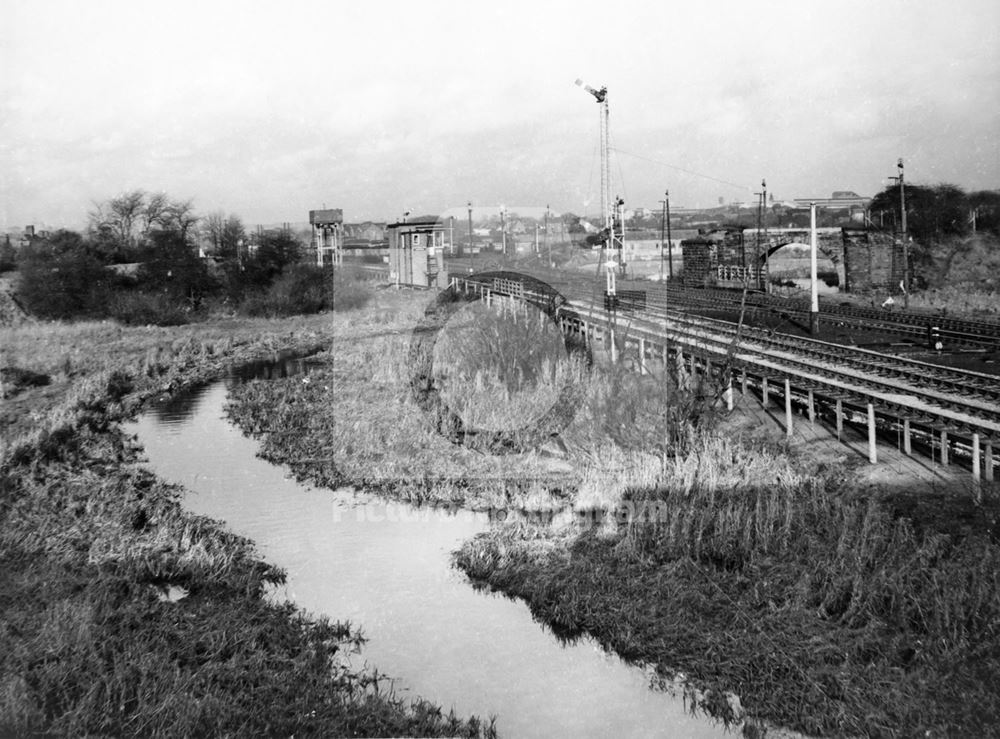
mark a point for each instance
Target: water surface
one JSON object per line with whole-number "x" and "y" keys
{"x": 386, "y": 568}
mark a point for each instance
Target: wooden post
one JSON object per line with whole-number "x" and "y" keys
{"x": 839, "y": 412}
{"x": 642, "y": 356}
{"x": 743, "y": 381}
{"x": 694, "y": 365}
{"x": 812, "y": 407}
{"x": 988, "y": 461}
{"x": 944, "y": 447}
{"x": 763, "y": 391}
{"x": 729, "y": 394}
{"x": 614, "y": 346}
{"x": 975, "y": 457}
{"x": 907, "y": 445}
{"x": 788, "y": 408}
{"x": 872, "y": 454}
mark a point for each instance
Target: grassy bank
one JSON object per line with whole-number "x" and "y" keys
{"x": 119, "y": 612}
{"x": 718, "y": 555}
{"x": 824, "y": 612}
{"x": 354, "y": 419}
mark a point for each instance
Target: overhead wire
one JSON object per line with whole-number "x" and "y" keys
{"x": 682, "y": 169}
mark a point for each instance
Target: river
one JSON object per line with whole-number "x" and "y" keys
{"x": 386, "y": 568}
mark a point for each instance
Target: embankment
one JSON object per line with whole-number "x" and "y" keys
{"x": 122, "y": 614}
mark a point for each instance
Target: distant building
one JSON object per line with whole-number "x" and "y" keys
{"x": 839, "y": 200}
{"x": 368, "y": 231}
{"x": 416, "y": 251}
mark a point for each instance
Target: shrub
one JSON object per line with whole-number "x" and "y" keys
{"x": 68, "y": 284}
{"x": 8, "y": 257}
{"x": 303, "y": 288}
{"x": 140, "y": 308}
{"x": 172, "y": 266}
{"x": 350, "y": 294}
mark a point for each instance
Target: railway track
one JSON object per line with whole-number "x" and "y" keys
{"x": 940, "y": 398}
{"x": 921, "y": 326}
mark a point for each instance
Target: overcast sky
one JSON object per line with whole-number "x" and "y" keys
{"x": 270, "y": 109}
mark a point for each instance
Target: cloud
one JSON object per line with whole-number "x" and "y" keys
{"x": 266, "y": 109}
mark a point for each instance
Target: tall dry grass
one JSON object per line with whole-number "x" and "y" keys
{"x": 499, "y": 370}
{"x": 89, "y": 543}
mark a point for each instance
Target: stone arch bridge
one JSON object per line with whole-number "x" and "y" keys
{"x": 863, "y": 259}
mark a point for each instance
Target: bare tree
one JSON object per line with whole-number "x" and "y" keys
{"x": 120, "y": 217}
{"x": 155, "y": 212}
{"x": 233, "y": 235}
{"x": 180, "y": 217}
{"x": 212, "y": 226}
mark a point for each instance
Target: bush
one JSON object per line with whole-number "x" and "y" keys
{"x": 300, "y": 289}
{"x": 350, "y": 294}
{"x": 172, "y": 266}
{"x": 8, "y": 257}
{"x": 63, "y": 284}
{"x": 140, "y": 308}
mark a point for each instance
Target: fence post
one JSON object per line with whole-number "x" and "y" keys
{"x": 788, "y": 408}
{"x": 872, "y": 454}
{"x": 975, "y": 457}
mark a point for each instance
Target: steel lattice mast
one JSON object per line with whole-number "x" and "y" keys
{"x": 610, "y": 208}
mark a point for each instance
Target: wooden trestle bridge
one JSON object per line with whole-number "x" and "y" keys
{"x": 952, "y": 415}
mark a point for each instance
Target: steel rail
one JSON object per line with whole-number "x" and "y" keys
{"x": 864, "y": 374}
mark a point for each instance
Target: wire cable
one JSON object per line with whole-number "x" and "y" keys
{"x": 682, "y": 169}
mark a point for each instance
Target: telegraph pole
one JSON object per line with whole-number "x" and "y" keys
{"x": 756, "y": 246}
{"x": 503, "y": 231}
{"x": 906, "y": 246}
{"x": 472, "y": 254}
{"x": 763, "y": 210}
{"x": 663, "y": 244}
{"x": 548, "y": 242}
{"x": 813, "y": 279}
{"x": 670, "y": 242}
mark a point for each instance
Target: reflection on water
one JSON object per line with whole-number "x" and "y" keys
{"x": 385, "y": 567}
{"x": 180, "y": 406}
{"x": 172, "y": 409}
